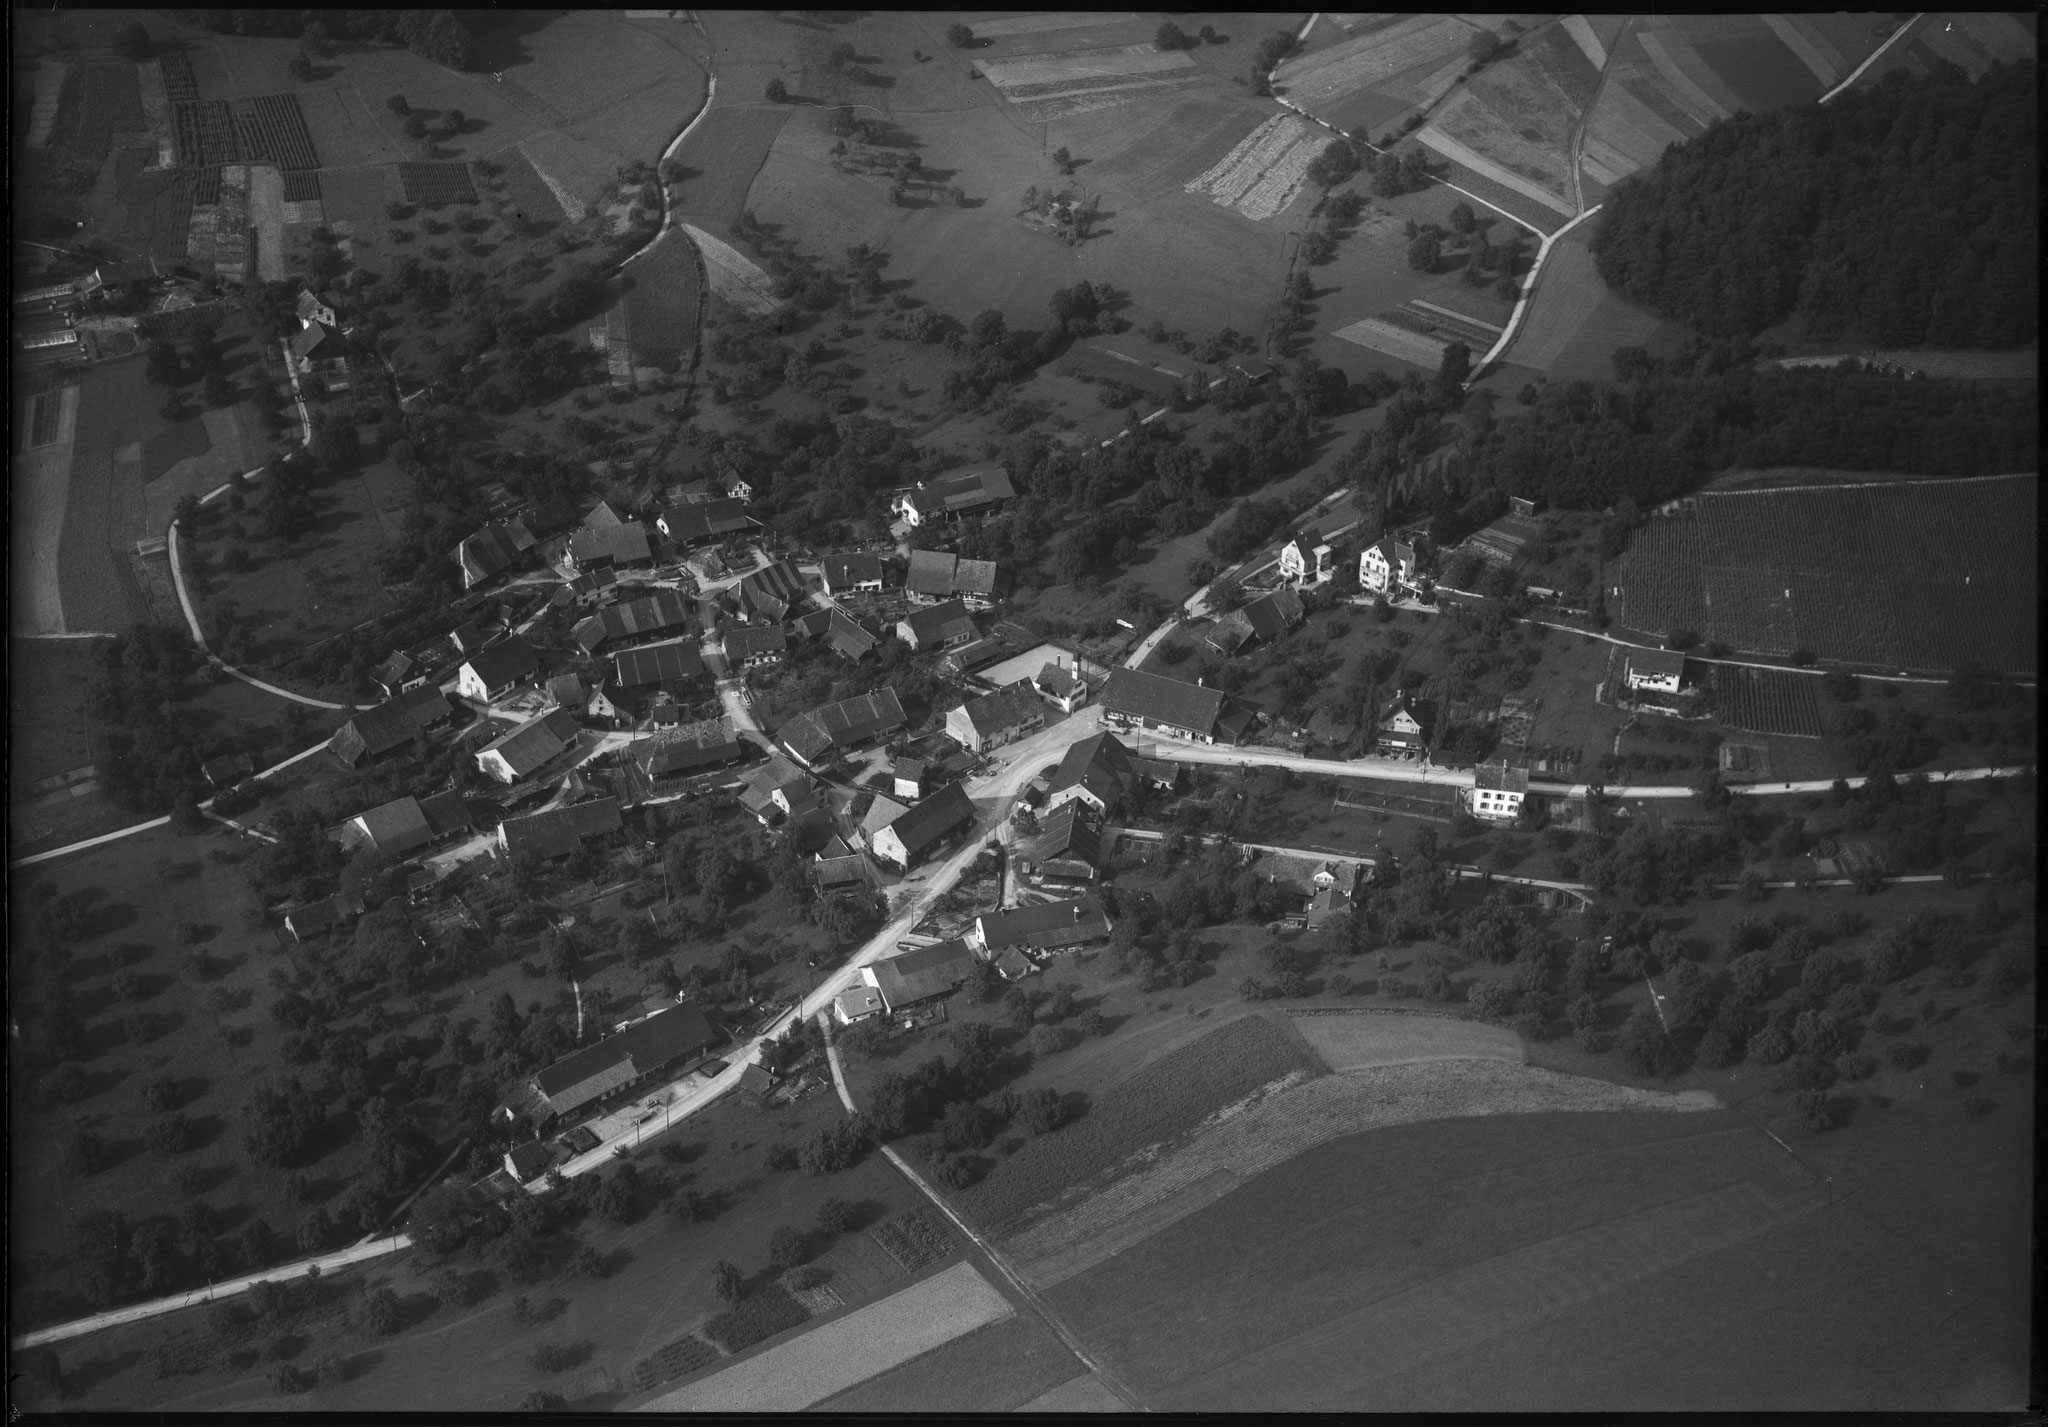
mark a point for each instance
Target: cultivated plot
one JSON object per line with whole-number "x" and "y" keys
{"x": 836, "y": 1355}
{"x": 1060, "y": 83}
{"x": 733, "y": 276}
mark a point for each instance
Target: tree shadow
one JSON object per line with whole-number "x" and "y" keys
{"x": 499, "y": 39}
{"x": 84, "y": 1375}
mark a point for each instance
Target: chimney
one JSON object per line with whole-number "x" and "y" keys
{"x": 1077, "y": 911}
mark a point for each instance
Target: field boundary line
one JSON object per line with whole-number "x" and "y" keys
{"x": 989, "y": 1250}
{"x": 1857, "y": 73}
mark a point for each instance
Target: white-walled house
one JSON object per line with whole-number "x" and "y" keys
{"x": 1659, "y": 669}
{"x": 1387, "y": 566}
{"x": 1304, "y": 564}
{"x": 1498, "y": 790}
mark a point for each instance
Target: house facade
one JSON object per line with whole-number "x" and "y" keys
{"x": 1060, "y": 686}
{"x": 927, "y": 823}
{"x": 1498, "y": 791}
{"x": 1387, "y": 566}
{"x": 992, "y": 720}
{"x": 1134, "y": 699}
{"x": 495, "y": 672}
{"x": 1303, "y": 562}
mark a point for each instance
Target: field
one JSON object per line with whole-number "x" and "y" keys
{"x": 1362, "y": 1042}
{"x": 432, "y": 185}
{"x": 46, "y": 723}
{"x": 1263, "y": 174}
{"x": 996, "y": 1368}
{"x": 732, "y": 276}
{"x": 664, "y": 295}
{"x": 1469, "y": 131}
{"x": 1574, "y": 323}
{"x": 1398, "y": 65}
{"x": 822, "y": 1361}
{"x": 1767, "y": 701}
{"x": 1062, "y": 83}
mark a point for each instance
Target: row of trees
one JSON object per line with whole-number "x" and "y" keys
{"x": 437, "y": 35}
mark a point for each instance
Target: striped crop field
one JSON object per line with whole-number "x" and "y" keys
{"x": 733, "y": 276}
{"x": 1262, "y": 175}
{"x": 1377, "y": 334}
{"x": 1061, "y": 83}
{"x": 830, "y": 1358}
{"x": 1328, "y": 76}
{"x": 1469, "y": 130}
{"x": 1767, "y": 700}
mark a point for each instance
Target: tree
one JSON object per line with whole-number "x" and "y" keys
{"x": 415, "y": 126}
{"x": 301, "y": 66}
{"x": 380, "y": 1312}
{"x": 1490, "y": 999}
{"x": 776, "y": 92}
{"x": 1453, "y": 371}
{"x": 1644, "y": 1044}
{"x": 1425, "y": 252}
{"x": 959, "y": 36}
{"x": 726, "y": 1281}
{"x": 1463, "y": 220}
{"x": 1063, "y": 159}
{"x": 539, "y": 1399}
{"x": 835, "y": 1216}
{"x": 1170, "y": 36}
{"x": 785, "y": 1248}
{"x": 1043, "y": 1110}
{"x": 397, "y": 105}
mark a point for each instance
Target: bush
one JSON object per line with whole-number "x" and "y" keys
{"x": 380, "y": 1313}
{"x": 767, "y": 1313}
{"x": 1043, "y": 1110}
{"x": 541, "y": 1400}
{"x": 1769, "y": 1046}
{"x": 1644, "y": 1044}
{"x": 959, "y": 36}
{"x": 835, "y": 1216}
{"x": 1489, "y": 999}
{"x": 1905, "y": 1055}
{"x": 551, "y": 1357}
{"x": 1815, "y": 1113}
{"x": 785, "y": 1248}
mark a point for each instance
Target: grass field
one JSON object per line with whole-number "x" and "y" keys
{"x": 1363, "y": 1042}
{"x": 46, "y": 724}
{"x": 664, "y": 299}
{"x": 1784, "y": 569}
{"x": 1575, "y": 323}
{"x": 996, "y": 1368}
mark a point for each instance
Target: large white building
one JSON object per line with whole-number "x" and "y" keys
{"x": 1498, "y": 790}
{"x": 1387, "y": 566}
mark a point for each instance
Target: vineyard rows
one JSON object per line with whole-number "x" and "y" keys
{"x": 914, "y": 1239}
{"x": 302, "y": 186}
{"x": 179, "y": 86}
{"x": 1767, "y": 700}
{"x": 684, "y": 1356}
{"x": 285, "y": 133}
{"x": 434, "y": 184}
{"x": 203, "y": 133}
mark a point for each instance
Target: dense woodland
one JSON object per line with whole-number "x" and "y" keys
{"x": 438, "y": 35}
{"x": 1900, "y": 215}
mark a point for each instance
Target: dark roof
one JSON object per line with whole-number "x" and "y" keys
{"x": 1071, "y": 832}
{"x": 617, "y": 543}
{"x": 640, "y": 1049}
{"x": 691, "y": 746}
{"x": 1230, "y": 633}
{"x": 752, "y": 641}
{"x": 528, "y": 1160}
{"x": 445, "y": 813}
{"x": 657, "y": 664}
{"x": 1098, "y": 763}
{"x": 1658, "y": 662}
{"x": 708, "y": 521}
{"x": 485, "y": 553}
{"x": 395, "y": 721}
{"x": 395, "y": 669}
{"x": 658, "y": 613}
{"x": 1049, "y": 924}
{"x": 550, "y": 515}
{"x": 603, "y": 515}
{"x": 972, "y": 655}
{"x": 840, "y": 871}
{"x": 849, "y": 636}
{"x": 810, "y": 626}
{"x": 317, "y": 917}
{"x": 981, "y": 577}
{"x": 931, "y": 572}
{"x": 533, "y": 743}
{"x": 1059, "y": 680}
{"x": 228, "y": 768}
{"x": 774, "y": 589}
{"x": 566, "y": 689}
{"x": 506, "y": 662}
{"x": 1162, "y": 771}
{"x": 396, "y": 827}
{"x": 557, "y": 832}
{"x": 932, "y": 818}
{"x": 812, "y": 735}
{"x": 1499, "y": 778}
{"x": 1154, "y": 698}
{"x": 1006, "y": 708}
{"x": 963, "y": 490}
{"x": 310, "y": 340}
{"x": 844, "y": 572}
{"x": 938, "y": 623}
{"x": 913, "y": 976}
{"x": 1275, "y": 613}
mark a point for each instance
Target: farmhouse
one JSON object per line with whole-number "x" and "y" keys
{"x": 980, "y": 490}
{"x": 1303, "y": 562}
{"x": 1660, "y": 669}
{"x": 617, "y": 546}
{"x": 909, "y": 776}
{"x": 673, "y": 754}
{"x": 772, "y": 591}
{"x": 495, "y": 672}
{"x": 757, "y": 789}
{"x": 713, "y": 520}
{"x": 844, "y": 869}
{"x": 1092, "y": 772}
{"x": 880, "y": 812}
{"x": 1049, "y": 926}
{"x": 398, "y": 673}
{"x": 527, "y": 1162}
{"x": 936, "y": 626}
{"x": 389, "y": 725}
{"x": 227, "y": 770}
{"x": 406, "y": 824}
{"x": 1401, "y": 730}
{"x": 659, "y": 613}
{"x": 319, "y": 918}
{"x": 1132, "y": 698}
{"x": 1061, "y": 686}
{"x": 853, "y": 575}
{"x": 668, "y": 1041}
{"x": 920, "y": 975}
{"x": 557, "y": 832}
{"x": 906, "y": 840}
{"x": 1267, "y": 617}
{"x": 491, "y": 551}
{"x": 848, "y": 636}
{"x": 566, "y": 691}
{"x": 1387, "y": 566}
{"x": 975, "y": 654}
{"x": 936, "y": 575}
{"x": 467, "y": 637}
{"x": 992, "y": 720}
{"x": 1069, "y": 843}
{"x": 529, "y": 746}
{"x": 670, "y": 663}
{"x": 752, "y": 646}
{"x": 813, "y": 736}
{"x": 593, "y": 582}
{"x": 1498, "y": 790}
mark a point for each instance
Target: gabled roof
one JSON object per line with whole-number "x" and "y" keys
{"x": 505, "y": 662}
{"x": 657, "y": 664}
{"x": 1230, "y": 633}
{"x": 1500, "y": 778}
{"x": 1274, "y": 613}
{"x": 931, "y": 572}
{"x": 467, "y": 637}
{"x": 1071, "y": 832}
{"x": 752, "y": 641}
{"x": 849, "y": 636}
{"x": 549, "y": 516}
{"x": 932, "y": 818}
{"x": 641, "y": 1048}
{"x": 445, "y": 813}
{"x": 658, "y": 613}
{"x": 557, "y": 832}
{"x": 839, "y": 871}
{"x": 603, "y": 515}
{"x": 857, "y": 1001}
{"x": 617, "y": 543}
{"x": 1661, "y": 663}
{"x": 709, "y": 521}
{"x": 396, "y": 721}
{"x": 567, "y": 690}
{"x": 530, "y": 744}
{"x": 394, "y": 828}
{"x": 1059, "y": 681}
{"x": 963, "y": 491}
{"x": 774, "y": 589}
{"x": 935, "y": 624}
{"x": 1155, "y": 698}
{"x": 1045, "y": 926}
{"x": 1394, "y": 551}
{"x": 987, "y": 578}
{"x": 395, "y": 669}
{"x": 228, "y": 768}
{"x": 691, "y": 746}
{"x": 1004, "y": 709}
{"x": 488, "y": 551}
{"x": 923, "y": 973}
{"x": 810, "y": 626}
{"x": 845, "y": 572}
{"x": 1098, "y": 763}
{"x": 812, "y": 735}
{"x": 972, "y": 655}
{"x": 310, "y": 340}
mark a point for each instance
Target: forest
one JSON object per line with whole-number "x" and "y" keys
{"x": 1901, "y": 215}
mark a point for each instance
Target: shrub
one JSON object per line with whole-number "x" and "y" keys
{"x": 765, "y": 1314}
{"x": 785, "y": 1248}
{"x": 380, "y": 1313}
{"x": 835, "y": 1216}
{"x": 1489, "y": 999}
{"x": 1769, "y": 1046}
{"x": 551, "y": 1357}
{"x": 1042, "y": 1110}
{"x": 541, "y": 1400}
{"x": 959, "y": 36}
{"x": 1814, "y": 1110}
{"x": 1905, "y": 1055}
{"x": 726, "y": 1281}
{"x": 1644, "y": 1044}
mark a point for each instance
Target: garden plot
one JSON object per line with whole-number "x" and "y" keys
{"x": 1470, "y": 131}
{"x": 1054, "y": 20}
{"x": 1812, "y": 47}
{"x": 1377, "y": 334}
{"x": 1261, "y": 176}
{"x": 1083, "y": 1394}
{"x": 828, "y": 1359}
{"x": 733, "y": 276}
{"x": 1682, "y": 88}
{"x": 1185, "y": 141}
{"x": 1767, "y": 701}
{"x": 431, "y": 185}
{"x": 1291, "y": 1119}
{"x": 1058, "y": 85}
{"x": 1758, "y": 69}
{"x": 1582, "y": 34}
{"x": 266, "y": 215}
{"x": 1328, "y": 76}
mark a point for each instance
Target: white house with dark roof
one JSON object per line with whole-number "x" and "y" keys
{"x": 991, "y": 720}
{"x": 1094, "y": 771}
{"x": 496, "y": 671}
{"x": 852, "y": 574}
{"x": 1133, "y": 698}
{"x": 529, "y": 746}
{"x": 1498, "y": 790}
{"x": 1046, "y": 927}
{"x": 1305, "y": 562}
{"x": 1061, "y": 686}
{"x": 936, "y": 626}
{"x": 1660, "y": 669}
{"x": 906, "y": 840}
{"x": 979, "y": 490}
{"x": 1387, "y": 566}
